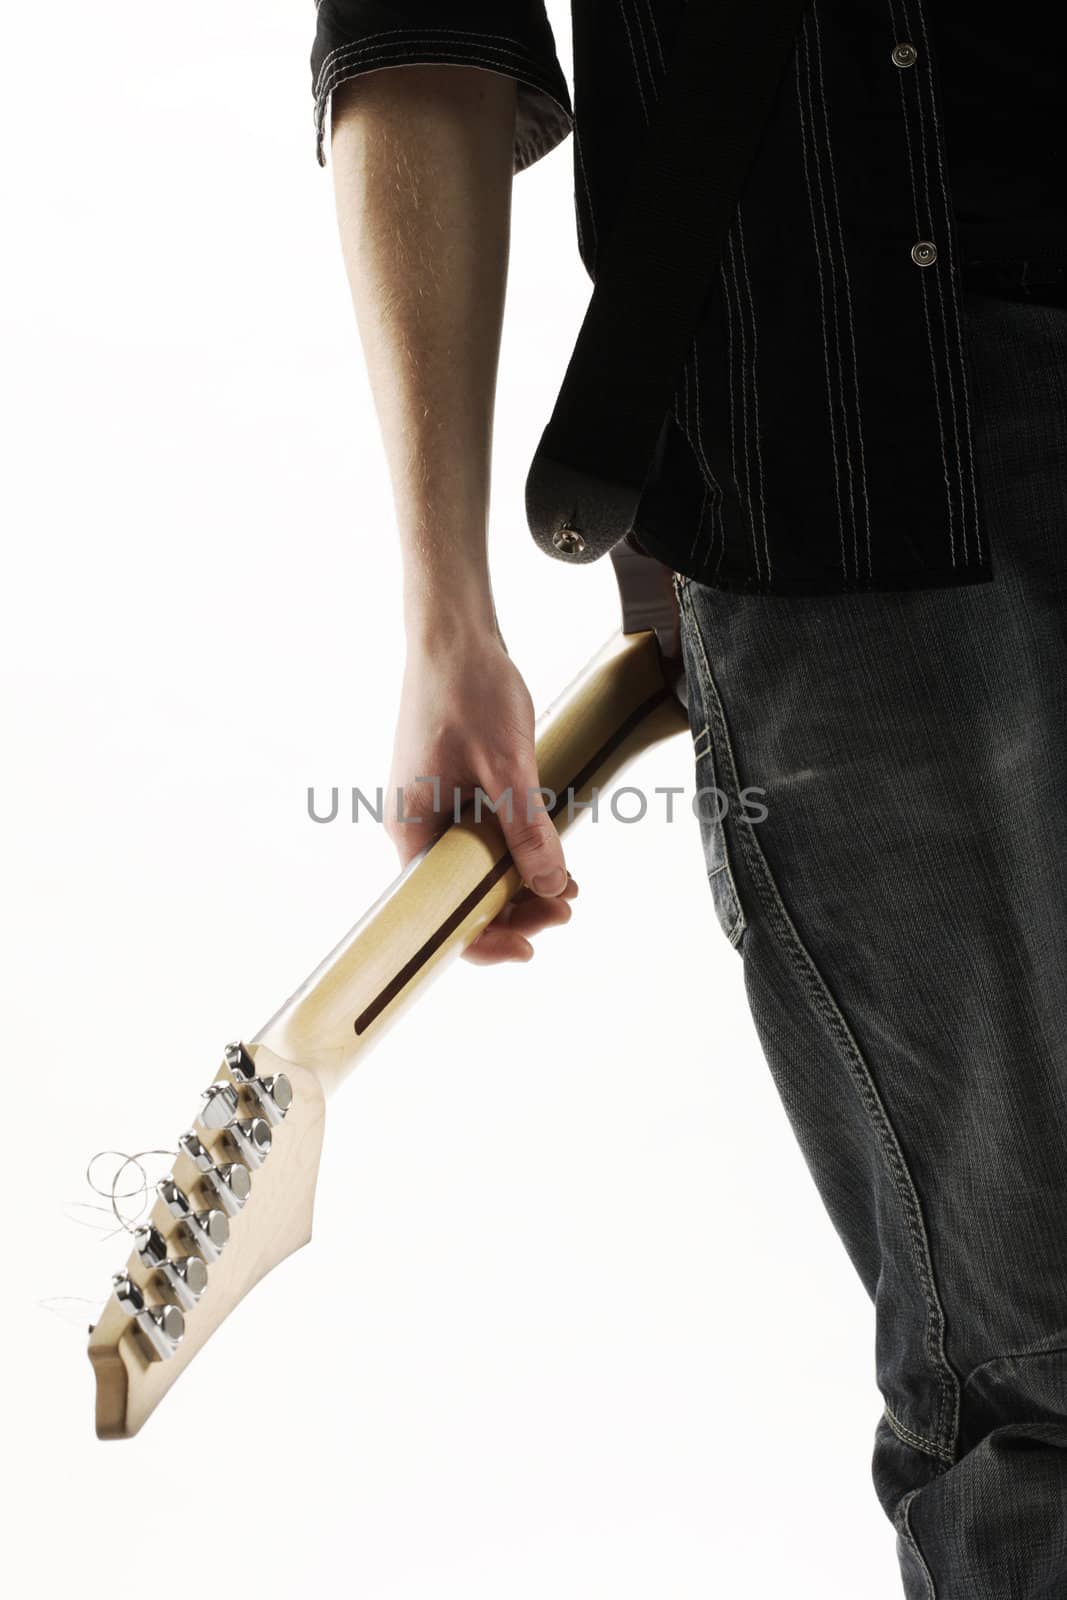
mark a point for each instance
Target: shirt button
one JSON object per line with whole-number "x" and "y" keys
{"x": 924, "y": 252}
{"x": 905, "y": 55}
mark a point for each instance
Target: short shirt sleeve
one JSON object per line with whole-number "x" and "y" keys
{"x": 513, "y": 37}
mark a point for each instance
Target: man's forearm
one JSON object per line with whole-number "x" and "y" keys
{"x": 422, "y": 162}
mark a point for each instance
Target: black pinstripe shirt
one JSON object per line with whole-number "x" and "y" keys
{"x": 821, "y": 437}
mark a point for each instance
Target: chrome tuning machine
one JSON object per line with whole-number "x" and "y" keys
{"x": 162, "y": 1326}
{"x": 251, "y": 1138}
{"x": 229, "y": 1185}
{"x": 186, "y": 1278}
{"x": 273, "y": 1095}
{"x": 218, "y": 1106}
{"x": 208, "y": 1230}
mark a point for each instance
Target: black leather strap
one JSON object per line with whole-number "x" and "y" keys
{"x": 656, "y": 270}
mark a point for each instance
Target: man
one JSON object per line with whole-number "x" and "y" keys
{"x": 862, "y": 486}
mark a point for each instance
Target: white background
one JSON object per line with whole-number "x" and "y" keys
{"x": 573, "y": 1321}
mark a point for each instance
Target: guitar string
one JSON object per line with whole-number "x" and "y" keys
{"x": 128, "y": 1221}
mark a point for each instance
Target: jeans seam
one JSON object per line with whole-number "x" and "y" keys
{"x": 781, "y": 924}
{"x": 905, "y": 1529}
{"x": 736, "y": 927}
{"x": 918, "y": 1441}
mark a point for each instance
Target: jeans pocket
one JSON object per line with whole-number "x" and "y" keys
{"x": 712, "y": 805}
{"x": 711, "y": 801}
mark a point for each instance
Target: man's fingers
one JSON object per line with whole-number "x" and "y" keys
{"x": 495, "y": 944}
{"x": 533, "y": 841}
{"x": 530, "y": 916}
{"x": 413, "y": 817}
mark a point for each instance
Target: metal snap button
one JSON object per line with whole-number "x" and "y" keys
{"x": 924, "y": 252}
{"x": 568, "y": 541}
{"x": 904, "y": 55}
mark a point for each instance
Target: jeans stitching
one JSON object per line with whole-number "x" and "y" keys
{"x": 904, "y": 1526}
{"x": 734, "y": 927}
{"x": 947, "y": 1428}
{"x": 633, "y": 58}
{"x": 908, "y": 1435}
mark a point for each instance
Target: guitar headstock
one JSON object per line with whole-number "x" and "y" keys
{"x": 238, "y": 1199}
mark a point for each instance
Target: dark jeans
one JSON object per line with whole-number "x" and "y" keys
{"x": 901, "y": 913}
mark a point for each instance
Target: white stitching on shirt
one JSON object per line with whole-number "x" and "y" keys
{"x": 655, "y": 34}
{"x": 805, "y": 146}
{"x": 695, "y": 438}
{"x": 806, "y": 49}
{"x": 580, "y": 162}
{"x": 421, "y": 35}
{"x": 730, "y": 382}
{"x": 939, "y": 281}
{"x": 848, "y": 283}
{"x": 745, "y": 491}
{"x": 717, "y": 504}
{"x": 950, "y": 498}
{"x": 755, "y": 387}
{"x": 402, "y": 55}
{"x": 700, "y": 523}
{"x": 633, "y": 54}
{"x": 639, "y": 24}
{"x": 952, "y": 291}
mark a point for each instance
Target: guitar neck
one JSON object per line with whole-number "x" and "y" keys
{"x": 619, "y": 704}
{"x": 245, "y": 1174}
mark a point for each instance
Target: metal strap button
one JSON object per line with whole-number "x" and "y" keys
{"x": 568, "y": 541}
{"x": 904, "y": 55}
{"x": 924, "y": 252}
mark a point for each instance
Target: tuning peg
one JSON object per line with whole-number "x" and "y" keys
{"x": 230, "y": 1184}
{"x": 239, "y": 1060}
{"x": 162, "y": 1326}
{"x": 209, "y": 1230}
{"x": 186, "y": 1277}
{"x": 251, "y": 1139}
{"x": 273, "y": 1095}
{"x": 190, "y": 1146}
{"x": 218, "y": 1105}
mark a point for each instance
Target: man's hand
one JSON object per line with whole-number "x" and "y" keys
{"x": 423, "y": 159}
{"x": 466, "y": 720}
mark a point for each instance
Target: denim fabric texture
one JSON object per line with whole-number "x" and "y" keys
{"x": 901, "y": 916}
